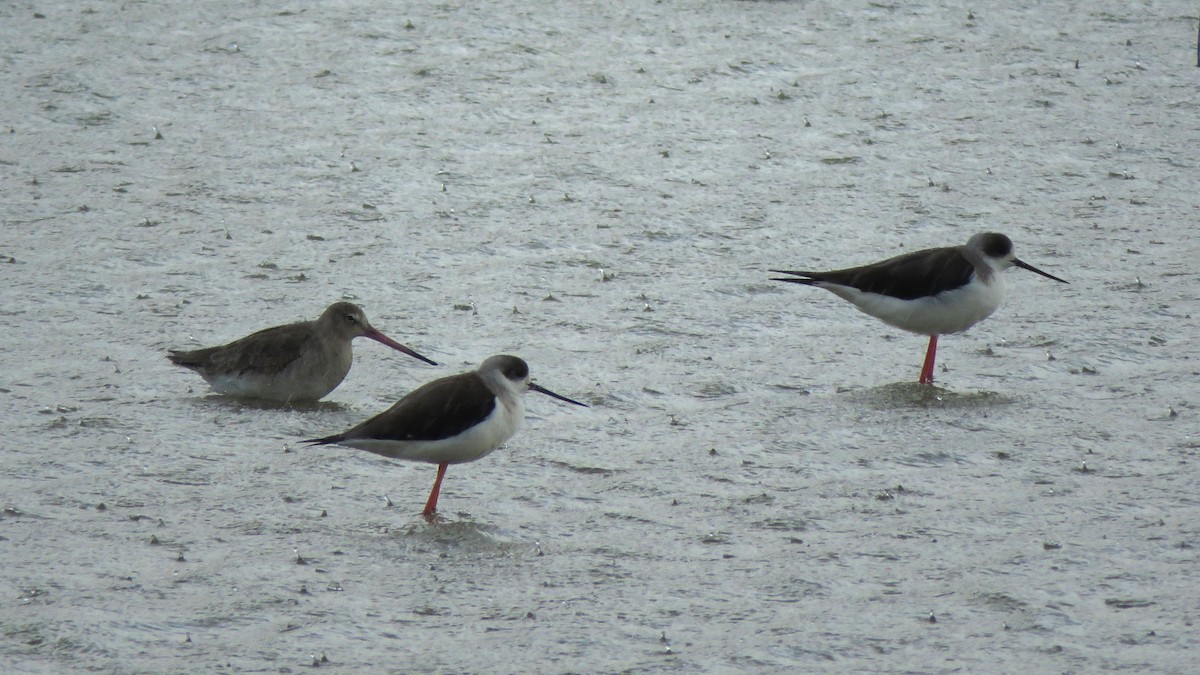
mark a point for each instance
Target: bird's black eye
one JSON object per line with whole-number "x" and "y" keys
{"x": 351, "y": 318}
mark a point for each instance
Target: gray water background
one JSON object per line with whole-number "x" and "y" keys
{"x": 600, "y": 188}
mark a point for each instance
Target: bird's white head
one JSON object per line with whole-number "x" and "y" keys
{"x": 507, "y": 372}
{"x": 996, "y": 250}
{"x": 512, "y": 373}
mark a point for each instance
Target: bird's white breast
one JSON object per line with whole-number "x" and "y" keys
{"x": 947, "y": 312}
{"x": 468, "y": 446}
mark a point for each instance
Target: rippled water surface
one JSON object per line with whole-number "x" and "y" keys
{"x": 600, "y": 188}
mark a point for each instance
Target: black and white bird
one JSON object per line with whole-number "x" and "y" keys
{"x": 451, "y": 420}
{"x": 930, "y": 292}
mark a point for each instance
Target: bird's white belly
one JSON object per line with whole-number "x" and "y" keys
{"x": 472, "y": 444}
{"x": 948, "y": 312}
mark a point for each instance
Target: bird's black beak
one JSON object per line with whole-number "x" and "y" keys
{"x": 543, "y": 390}
{"x": 1031, "y": 268}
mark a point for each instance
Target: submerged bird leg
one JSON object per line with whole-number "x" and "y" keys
{"x": 431, "y": 505}
{"x": 930, "y": 354}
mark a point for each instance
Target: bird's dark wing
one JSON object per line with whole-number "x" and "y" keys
{"x": 268, "y": 351}
{"x": 441, "y": 409}
{"x": 907, "y": 277}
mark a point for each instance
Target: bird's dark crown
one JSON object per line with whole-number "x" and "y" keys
{"x": 514, "y": 368}
{"x": 994, "y": 244}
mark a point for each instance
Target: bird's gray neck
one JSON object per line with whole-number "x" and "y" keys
{"x": 983, "y": 271}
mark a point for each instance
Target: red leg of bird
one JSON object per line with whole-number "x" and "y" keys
{"x": 930, "y": 354}
{"x": 431, "y": 505}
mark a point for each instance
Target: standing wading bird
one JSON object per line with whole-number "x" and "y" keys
{"x": 930, "y": 292}
{"x": 297, "y": 362}
{"x": 452, "y": 420}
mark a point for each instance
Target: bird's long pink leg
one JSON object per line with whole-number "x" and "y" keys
{"x": 431, "y": 505}
{"x": 930, "y": 355}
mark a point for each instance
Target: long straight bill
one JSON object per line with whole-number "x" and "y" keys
{"x": 1031, "y": 268}
{"x": 543, "y": 390}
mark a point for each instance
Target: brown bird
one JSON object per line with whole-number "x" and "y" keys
{"x": 298, "y": 362}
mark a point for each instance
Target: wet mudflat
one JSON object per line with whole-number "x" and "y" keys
{"x": 600, "y": 188}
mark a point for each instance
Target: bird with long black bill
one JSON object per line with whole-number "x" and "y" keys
{"x": 931, "y": 292}
{"x": 451, "y": 420}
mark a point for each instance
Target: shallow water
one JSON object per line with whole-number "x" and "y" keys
{"x": 601, "y": 189}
